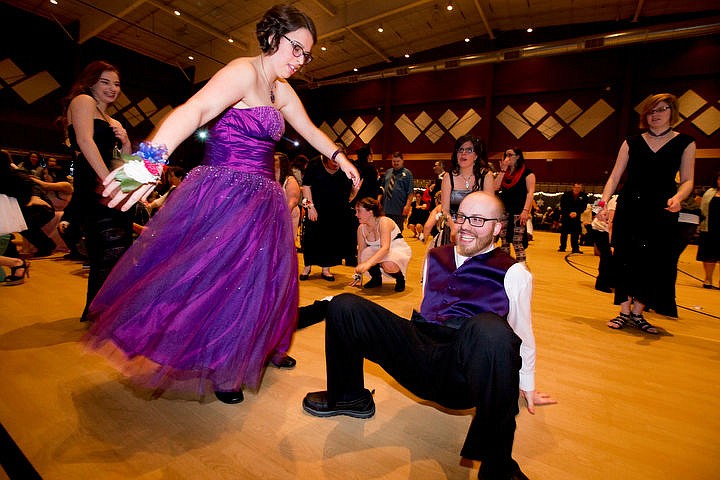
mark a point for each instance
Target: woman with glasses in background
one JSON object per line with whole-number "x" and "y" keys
{"x": 647, "y": 212}
{"x": 469, "y": 172}
{"x": 516, "y": 184}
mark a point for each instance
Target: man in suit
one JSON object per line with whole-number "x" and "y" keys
{"x": 572, "y": 204}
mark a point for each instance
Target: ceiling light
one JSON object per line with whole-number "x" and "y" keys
{"x": 54, "y": 2}
{"x": 467, "y": 39}
{"x": 449, "y": 7}
{"x": 190, "y": 57}
{"x": 529, "y": 30}
{"x": 380, "y": 28}
{"x": 323, "y": 48}
{"x": 355, "y": 69}
{"x": 407, "y": 55}
{"x": 230, "y": 40}
{"x": 176, "y": 12}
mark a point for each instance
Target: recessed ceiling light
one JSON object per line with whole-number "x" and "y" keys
{"x": 407, "y": 55}
{"x": 380, "y": 28}
{"x": 54, "y": 2}
{"x": 323, "y": 48}
{"x": 190, "y": 57}
{"x": 529, "y": 30}
{"x": 449, "y": 7}
{"x": 467, "y": 39}
{"x": 176, "y": 12}
{"x": 230, "y": 40}
{"x": 355, "y": 69}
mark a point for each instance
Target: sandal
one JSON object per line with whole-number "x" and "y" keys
{"x": 619, "y": 322}
{"x": 639, "y": 322}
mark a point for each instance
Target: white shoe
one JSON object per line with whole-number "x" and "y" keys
{"x": 421, "y": 237}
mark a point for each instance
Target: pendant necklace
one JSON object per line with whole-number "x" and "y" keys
{"x": 467, "y": 180}
{"x": 661, "y": 134}
{"x": 271, "y": 86}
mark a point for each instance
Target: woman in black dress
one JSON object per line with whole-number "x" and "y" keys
{"x": 95, "y": 137}
{"x": 709, "y": 244}
{"x": 328, "y": 193}
{"x": 516, "y": 186}
{"x": 647, "y": 212}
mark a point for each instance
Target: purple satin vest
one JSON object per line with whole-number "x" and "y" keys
{"x": 477, "y": 286}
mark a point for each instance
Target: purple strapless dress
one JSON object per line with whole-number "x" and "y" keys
{"x": 208, "y": 293}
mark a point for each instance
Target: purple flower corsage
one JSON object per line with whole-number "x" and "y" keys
{"x": 144, "y": 166}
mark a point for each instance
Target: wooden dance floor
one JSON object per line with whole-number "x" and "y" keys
{"x": 631, "y": 405}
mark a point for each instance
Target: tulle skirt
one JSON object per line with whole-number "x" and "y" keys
{"x": 208, "y": 293}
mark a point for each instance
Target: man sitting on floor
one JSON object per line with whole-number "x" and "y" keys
{"x": 471, "y": 345}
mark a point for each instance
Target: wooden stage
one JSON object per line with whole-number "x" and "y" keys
{"x": 631, "y": 405}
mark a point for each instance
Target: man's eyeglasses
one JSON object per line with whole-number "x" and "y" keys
{"x": 462, "y": 150}
{"x": 298, "y": 51}
{"x": 659, "y": 109}
{"x": 475, "y": 221}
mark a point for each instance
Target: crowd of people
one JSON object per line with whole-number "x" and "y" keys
{"x": 202, "y": 295}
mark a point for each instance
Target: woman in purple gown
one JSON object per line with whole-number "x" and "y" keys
{"x": 208, "y": 294}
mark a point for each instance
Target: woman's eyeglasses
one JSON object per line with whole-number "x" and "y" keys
{"x": 659, "y": 109}
{"x": 298, "y": 51}
{"x": 475, "y": 221}
{"x": 462, "y": 150}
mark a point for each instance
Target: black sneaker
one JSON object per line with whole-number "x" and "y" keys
{"x": 316, "y": 403}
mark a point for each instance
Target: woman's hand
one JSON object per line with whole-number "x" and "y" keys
{"x": 121, "y": 133}
{"x": 673, "y": 204}
{"x": 124, "y": 199}
{"x": 362, "y": 267}
{"x": 524, "y": 216}
{"x": 312, "y": 214}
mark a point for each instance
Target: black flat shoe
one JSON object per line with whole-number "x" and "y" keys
{"x": 286, "y": 363}
{"x": 230, "y": 397}
{"x": 304, "y": 276}
{"x": 329, "y": 278}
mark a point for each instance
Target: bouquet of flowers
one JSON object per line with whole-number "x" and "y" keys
{"x": 144, "y": 166}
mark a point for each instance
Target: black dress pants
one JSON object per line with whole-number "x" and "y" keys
{"x": 572, "y": 227}
{"x": 476, "y": 365}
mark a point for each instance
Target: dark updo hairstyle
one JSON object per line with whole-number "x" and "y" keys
{"x": 278, "y": 21}
{"x": 371, "y": 205}
{"x": 363, "y": 155}
{"x": 89, "y": 76}
{"x": 480, "y": 167}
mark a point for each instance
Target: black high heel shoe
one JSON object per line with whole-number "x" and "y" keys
{"x": 230, "y": 397}
{"x": 13, "y": 279}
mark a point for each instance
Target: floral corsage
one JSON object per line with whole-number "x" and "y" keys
{"x": 144, "y": 166}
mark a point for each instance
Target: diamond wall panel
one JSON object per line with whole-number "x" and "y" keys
{"x": 513, "y": 122}
{"x": 592, "y": 117}
{"x": 465, "y": 124}
{"x": 371, "y": 130}
{"x": 36, "y": 87}
{"x": 534, "y": 113}
{"x": 407, "y": 128}
{"x": 708, "y": 121}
